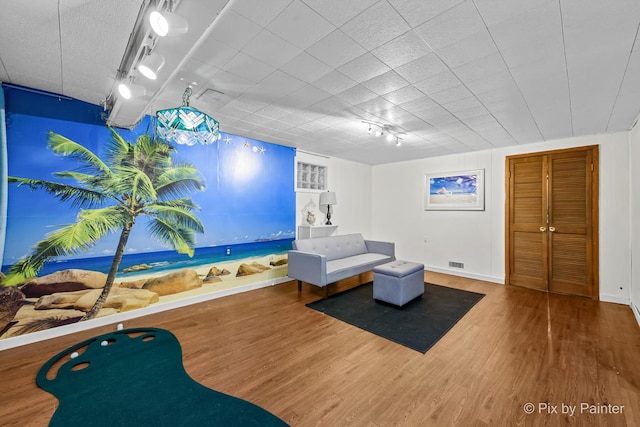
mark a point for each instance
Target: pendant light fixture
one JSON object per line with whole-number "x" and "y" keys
{"x": 187, "y": 125}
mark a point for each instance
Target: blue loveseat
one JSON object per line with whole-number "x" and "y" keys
{"x": 325, "y": 260}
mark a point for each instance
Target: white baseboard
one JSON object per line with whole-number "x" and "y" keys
{"x": 636, "y": 312}
{"x": 457, "y": 272}
{"x": 114, "y": 319}
{"x": 615, "y": 299}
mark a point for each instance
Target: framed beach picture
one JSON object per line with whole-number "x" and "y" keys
{"x": 462, "y": 190}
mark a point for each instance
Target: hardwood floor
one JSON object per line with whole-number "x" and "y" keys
{"x": 516, "y": 346}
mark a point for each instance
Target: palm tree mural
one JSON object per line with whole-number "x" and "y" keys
{"x": 134, "y": 179}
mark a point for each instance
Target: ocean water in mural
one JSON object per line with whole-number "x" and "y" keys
{"x": 247, "y": 210}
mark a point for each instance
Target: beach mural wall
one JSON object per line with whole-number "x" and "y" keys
{"x": 209, "y": 217}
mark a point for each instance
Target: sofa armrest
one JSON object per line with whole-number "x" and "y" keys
{"x": 386, "y": 248}
{"x": 308, "y": 267}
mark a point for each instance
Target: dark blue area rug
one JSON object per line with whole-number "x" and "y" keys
{"x": 419, "y": 324}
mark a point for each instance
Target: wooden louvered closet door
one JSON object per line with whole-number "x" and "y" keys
{"x": 551, "y": 221}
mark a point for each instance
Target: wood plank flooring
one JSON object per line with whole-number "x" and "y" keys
{"x": 516, "y": 346}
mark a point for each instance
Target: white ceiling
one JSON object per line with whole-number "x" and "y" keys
{"x": 448, "y": 76}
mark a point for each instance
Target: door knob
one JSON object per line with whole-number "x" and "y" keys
{"x": 552, "y": 229}
{"x": 543, "y": 229}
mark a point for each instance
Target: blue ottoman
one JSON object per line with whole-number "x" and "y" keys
{"x": 398, "y": 282}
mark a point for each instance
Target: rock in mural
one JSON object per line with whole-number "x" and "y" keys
{"x": 64, "y": 281}
{"x": 173, "y": 283}
{"x": 11, "y": 299}
{"x": 119, "y": 298}
{"x": 249, "y": 269}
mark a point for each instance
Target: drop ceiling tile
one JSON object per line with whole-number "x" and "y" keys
{"x": 295, "y": 119}
{"x": 402, "y": 50}
{"x": 422, "y": 68}
{"x": 363, "y": 68}
{"x": 215, "y": 52}
{"x": 494, "y": 12}
{"x": 330, "y": 105}
{"x": 376, "y": 26}
{"x": 469, "y": 49}
{"x": 356, "y": 95}
{"x": 274, "y": 112}
{"x": 235, "y": 30}
{"x": 306, "y": 67}
{"x": 375, "y": 105}
{"x": 259, "y": 11}
{"x": 419, "y": 104}
{"x": 464, "y": 104}
{"x": 451, "y": 26}
{"x": 334, "y": 82}
{"x": 438, "y": 82}
{"x": 305, "y": 96}
{"x": 385, "y": 83}
{"x": 247, "y": 103}
{"x": 198, "y": 71}
{"x": 539, "y": 25}
{"x": 451, "y": 94}
{"x": 249, "y": 68}
{"x": 339, "y": 11}
{"x": 234, "y": 112}
{"x": 277, "y": 85}
{"x": 300, "y": 25}
{"x": 230, "y": 84}
{"x": 336, "y": 49}
{"x": 403, "y": 95}
{"x": 257, "y": 119}
{"x": 271, "y": 49}
{"x": 483, "y": 72}
{"x": 417, "y": 12}
{"x": 476, "y": 113}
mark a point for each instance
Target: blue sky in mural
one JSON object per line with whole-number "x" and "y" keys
{"x": 249, "y": 196}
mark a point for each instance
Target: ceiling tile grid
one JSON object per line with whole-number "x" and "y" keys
{"x": 447, "y": 76}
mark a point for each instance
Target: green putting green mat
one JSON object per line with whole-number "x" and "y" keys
{"x": 135, "y": 377}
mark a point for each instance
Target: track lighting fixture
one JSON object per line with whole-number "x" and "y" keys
{"x": 382, "y": 129}
{"x": 128, "y": 90}
{"x": 168, "y": 23}
{"x": 151, "y": 65}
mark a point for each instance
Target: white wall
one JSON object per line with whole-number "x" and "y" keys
{"x": 351, "y": 182}
{"x": 634, "y": 159}
{"x": 476, "y": 238}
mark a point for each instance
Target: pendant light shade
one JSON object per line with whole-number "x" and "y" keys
{"x": 187, "y": 125}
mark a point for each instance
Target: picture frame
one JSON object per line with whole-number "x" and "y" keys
{"x": 454, "y": 191}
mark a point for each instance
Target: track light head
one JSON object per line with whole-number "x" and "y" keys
{"x": 151, "y": 65}
{"x": 129, "y": 90}
{"x": 168, "y": 23}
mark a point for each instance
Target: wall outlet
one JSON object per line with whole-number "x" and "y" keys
{"x": 456, "y": 264}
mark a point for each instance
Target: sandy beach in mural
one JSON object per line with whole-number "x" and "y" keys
{"x": 226, "y": 281}
{"x": 57, "y": 306}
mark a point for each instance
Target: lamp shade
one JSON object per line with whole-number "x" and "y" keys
{"x": 328, "y": 198}
{"x": 187, "y": 125}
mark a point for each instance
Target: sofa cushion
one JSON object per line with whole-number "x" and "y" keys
{"x": 333, "y": 247}
{"x": 351, "y": 266}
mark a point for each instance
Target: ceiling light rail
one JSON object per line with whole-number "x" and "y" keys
{"x": 139, "y": 57}
{"x": 380, "y": 129}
